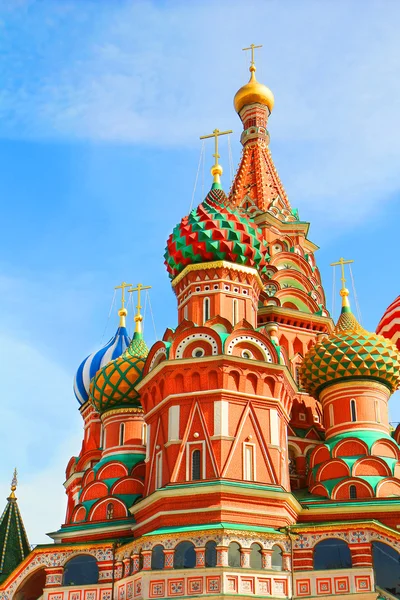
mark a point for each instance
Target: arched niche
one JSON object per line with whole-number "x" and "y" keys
{"x": 332, "y": 553}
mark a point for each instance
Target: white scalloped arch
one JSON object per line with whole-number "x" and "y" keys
{"x": 251, "y": 340}
{"x": 194, "y": 338}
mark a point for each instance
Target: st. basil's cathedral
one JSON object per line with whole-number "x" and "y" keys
{"x": 247, "y": 454}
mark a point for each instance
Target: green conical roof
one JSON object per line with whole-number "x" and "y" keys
{"x": 14, "y": 545}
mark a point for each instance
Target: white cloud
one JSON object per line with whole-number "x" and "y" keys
{"x": 160, "y": 75}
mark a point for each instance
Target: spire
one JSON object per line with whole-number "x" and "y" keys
{"x": 216, "y": 169}
{"x": 257, "y": 187}
{"x": 122, "y": 311}
{"x": 14, "y": 483}
{"x": 14, "y": 545}
{"x": 347, "y": 321}
{"x": 138, "y": 316}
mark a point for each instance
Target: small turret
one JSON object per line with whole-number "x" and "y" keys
{"x": 14, "y": 545}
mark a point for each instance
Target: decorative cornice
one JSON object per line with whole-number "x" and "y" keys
{"x": 118, "y": 411}
{"x": 218, "y": 264}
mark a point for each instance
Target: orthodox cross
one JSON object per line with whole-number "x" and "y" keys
{"x": 138, "y": 316}
{"x": 14, "y": 483}
{"x": 215, "y": 134}
{"x": 342, "y": 262}
{"x": 122, "y": 288}
{"x": 252, "y": 47}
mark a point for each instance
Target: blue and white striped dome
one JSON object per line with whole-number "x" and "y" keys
{"x": 89, "y": 367}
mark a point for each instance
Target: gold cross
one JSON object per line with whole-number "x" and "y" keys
{"x": 122, "y": 287}
{"x": 216, "y": 170}
{"x": 342, "y": 262}
{"x": 252, "y": 47}
{"x": 138, "y": 316}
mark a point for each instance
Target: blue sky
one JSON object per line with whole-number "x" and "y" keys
{"x": 101, "y": 107}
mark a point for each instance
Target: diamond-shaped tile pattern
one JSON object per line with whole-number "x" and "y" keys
{"x": 350, "y": 351}
{"x": 215, "y": 231}
{"x": 114, "y": 385}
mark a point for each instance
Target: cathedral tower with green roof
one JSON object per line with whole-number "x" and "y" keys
{"x": 14, "y": 545}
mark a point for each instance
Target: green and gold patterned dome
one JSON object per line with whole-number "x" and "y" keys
{"x": 350, "y": 352}
{"x": 114, "y": 385}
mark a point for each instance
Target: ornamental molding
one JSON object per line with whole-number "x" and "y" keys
{"x": 222, "y": 539}
{"x": 252, "y": 340}
{"x": 158, "y": 352}
{"x": 195, "y": 337}
{"x": 48, "y": 558}
{"x": 218, "y": 264}
{"x": 118, "y": 411}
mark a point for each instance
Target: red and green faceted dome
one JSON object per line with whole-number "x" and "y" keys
{"x": 114, "y": 385}
{"x": 215, "y": 231}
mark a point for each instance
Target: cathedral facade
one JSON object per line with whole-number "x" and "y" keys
{"x": 247, "y": 454}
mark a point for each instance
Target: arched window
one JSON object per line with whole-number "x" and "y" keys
{"x": 332, "y": 554}
{"x": 235, "y": 311}
{"x": 157, "y": 557}
{"x": 110, "y": 511}
{"x": 144, "y": 434}
{"x": 331, "y": 416}
{"x": 353, "y": 492}
{"x": 185, "y": 556}
{"x": 122, "y": 434}
{"x": 234, "y": 554}
{"x": 206, "y": 309}
{"x": 186, "y": 312}
{"x": 256, "y": 557}
{"x": 387, "y": 567}
{"x": 211, "y": 554}
{"x": 196, "y": 465}
{"x": 81, "y": 570}
{"x": 277, "y": 560}
{"x": 377, "y": 411}
{"x": 102, "y": 437}
{"x": 353, "y": 410}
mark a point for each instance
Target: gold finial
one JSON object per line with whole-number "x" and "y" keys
{"x": 252, "y": 47}
{"x": 138, "y": 316}
{"x": 216, "y": 169}
{"x": 14, "y": 483}
{"x": 344, "y": 292}
{"x": 253, "y": 92}
{"x": 122, "y": 311}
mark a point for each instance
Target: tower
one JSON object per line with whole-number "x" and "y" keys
{"x": 14, "y": 545}
{"x": 215, "y": 393}
{"x": 352, "y": 373}
{"x": 107, "y": 477}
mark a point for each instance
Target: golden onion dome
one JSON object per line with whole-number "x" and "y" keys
{"x": 350, "y": 352}
{"x": 253, "y": 92}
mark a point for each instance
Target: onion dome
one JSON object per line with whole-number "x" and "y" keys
{"x": 350, "y": 352}
{"x": 215, "y": 231}
{"x": 389, "y": 325}
{"x": 89, "y": 367}
{"x": 253, "y": 92}
{"x": 114, "y": 384}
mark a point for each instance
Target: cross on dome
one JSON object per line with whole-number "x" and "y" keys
{"x": 138, "y": 316}
{"x": 252, "y": 47}
{"x": 344, "y": 292}
{"x": 216, "y": 169}
{"x": 122, "y": 311}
